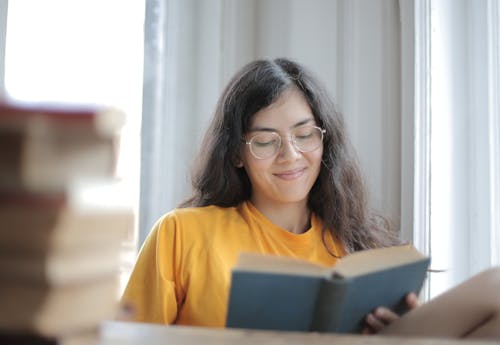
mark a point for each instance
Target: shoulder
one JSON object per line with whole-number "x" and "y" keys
{"x": 197, "y": 221}
{"x": 200, "y": 214}
{"x": 192, "y": 231}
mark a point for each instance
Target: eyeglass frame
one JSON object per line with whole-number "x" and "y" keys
{"x": 249, "y": 142}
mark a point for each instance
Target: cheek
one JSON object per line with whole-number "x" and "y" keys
{"x": 256, "y": 168}
{"x": 253, "y": 167}
{"x": 316, "y": 157}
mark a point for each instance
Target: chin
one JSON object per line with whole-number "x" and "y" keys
{"x": 292, "y": 198}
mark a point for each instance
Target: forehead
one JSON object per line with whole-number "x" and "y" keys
{"x": 288, "y": 110}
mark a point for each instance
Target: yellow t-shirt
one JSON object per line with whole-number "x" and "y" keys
{"x": 182, "y": 274}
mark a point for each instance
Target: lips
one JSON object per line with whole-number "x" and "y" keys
{"x": 290, "y": 174}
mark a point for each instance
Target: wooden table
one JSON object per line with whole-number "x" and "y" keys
{"x": 114, "y": 333}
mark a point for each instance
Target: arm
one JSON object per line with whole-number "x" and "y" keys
{"x": 470, "y": 310}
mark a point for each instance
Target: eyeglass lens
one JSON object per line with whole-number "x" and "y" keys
{"x": 304, "y": 139}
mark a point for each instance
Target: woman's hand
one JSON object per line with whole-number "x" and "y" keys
{"x": 381, "y": 317}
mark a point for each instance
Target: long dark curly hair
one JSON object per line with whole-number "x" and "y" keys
{"x": 338, "y": 196}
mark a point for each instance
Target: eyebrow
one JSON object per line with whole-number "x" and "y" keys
{"x": 267, "y": 129}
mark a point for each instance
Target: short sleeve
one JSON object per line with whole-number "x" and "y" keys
{"x": 153, "y": 292}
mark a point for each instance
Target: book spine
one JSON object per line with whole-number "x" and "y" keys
{"x": 103, "y": 120}
{"x": 330, "y": 305}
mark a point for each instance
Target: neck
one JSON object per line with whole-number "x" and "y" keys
{"x": 294, "y": 217}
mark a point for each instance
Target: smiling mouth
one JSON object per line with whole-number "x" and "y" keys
{"x": 291, "y": 174}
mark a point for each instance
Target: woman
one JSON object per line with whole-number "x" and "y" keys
{"x": 275, "y": 175}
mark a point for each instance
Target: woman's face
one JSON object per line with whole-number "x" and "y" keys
{"x": 288, "y": 176}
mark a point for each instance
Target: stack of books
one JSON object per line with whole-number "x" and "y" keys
{"x": 63, "y": 218}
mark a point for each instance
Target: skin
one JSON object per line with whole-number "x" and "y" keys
{"x": 281, "y": 184}
{"x": 382, "y": 317}
{"x": 468, "y": 310}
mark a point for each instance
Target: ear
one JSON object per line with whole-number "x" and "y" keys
{"x": 238, "y": 163}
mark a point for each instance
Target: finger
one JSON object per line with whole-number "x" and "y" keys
{"x": 373, "y": 322}
{"x": 412, "y": 300}
{"x": 385, "y": 315}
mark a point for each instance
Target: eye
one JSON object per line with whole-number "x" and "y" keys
{"x": 265, "y": 140}
{"x": 304, "y": 133}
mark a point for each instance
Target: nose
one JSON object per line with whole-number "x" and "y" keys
{"x": 288, "y": 151}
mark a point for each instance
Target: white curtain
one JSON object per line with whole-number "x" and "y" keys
{"x": 182, "y": 77}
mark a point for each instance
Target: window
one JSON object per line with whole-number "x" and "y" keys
{"x": 457, "y": 137}
{"x": 86, "y": 51}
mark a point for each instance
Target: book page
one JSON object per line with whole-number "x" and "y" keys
{"x": 378, "y": 259}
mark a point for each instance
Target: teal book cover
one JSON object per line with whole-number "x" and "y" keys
{"x": 276, "y": 293}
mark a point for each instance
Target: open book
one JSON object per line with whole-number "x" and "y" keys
{"x": 272, "y": 292}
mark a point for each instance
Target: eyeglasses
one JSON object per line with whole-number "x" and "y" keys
{"x": 267, "y": 144}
